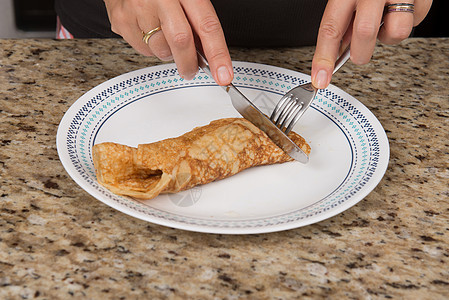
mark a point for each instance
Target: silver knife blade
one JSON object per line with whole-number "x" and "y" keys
{"x": 250, "y": 112}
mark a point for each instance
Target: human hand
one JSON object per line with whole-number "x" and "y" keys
{"x": 179, "y": 20}
{"x": 357, "y": 22}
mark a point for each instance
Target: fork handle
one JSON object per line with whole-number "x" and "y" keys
{"x": 342, "y": 59}
{"x": 345, "y": 56}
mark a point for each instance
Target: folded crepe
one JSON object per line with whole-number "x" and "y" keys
{"x": 205, "y": 154}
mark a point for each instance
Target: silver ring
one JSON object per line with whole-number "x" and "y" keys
{"x": 401, "y": 7}
{"x": 146, "y": 36}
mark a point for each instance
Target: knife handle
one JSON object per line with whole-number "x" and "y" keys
{"x": 202, "y": 62}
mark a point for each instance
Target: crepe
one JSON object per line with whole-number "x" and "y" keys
{"x": 205, "y": 154}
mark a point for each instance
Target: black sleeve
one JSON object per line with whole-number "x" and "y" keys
{"x": 85, "y": 18}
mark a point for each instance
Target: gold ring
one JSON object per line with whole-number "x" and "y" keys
{"x": 401, "y": 7}
{"x": 146, "y": 36}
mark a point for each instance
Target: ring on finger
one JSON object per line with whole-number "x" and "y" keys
{"x": 146, "y": 36}
{"x": 401, "y": 7}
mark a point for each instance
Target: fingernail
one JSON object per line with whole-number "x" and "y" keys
{"x": 321, "y": 79}
{"x": 223, "y": 75}
{"x": 189, "y": 76}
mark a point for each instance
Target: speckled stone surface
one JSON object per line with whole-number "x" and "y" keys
{"x": 56, "y": 241}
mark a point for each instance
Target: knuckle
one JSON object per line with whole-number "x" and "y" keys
{"x": 360, "y": 60}
{"x": 118, "y": 20}
{"x": 115, "y": 29}
{"x": 365, "y": 30}
{"x": 210, "y": 25}
{"x": 182, "y": 39}
{"x": 217, "y": 54}
{"x": 163, "y": 54}
{"x": 139, "y": 4}
{"x": 400, "y": 33}
{"x": 330, "y": 31}
{"x": 322, "y": 61}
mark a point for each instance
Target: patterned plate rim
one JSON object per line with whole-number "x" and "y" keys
{"x": 340, "y": 107}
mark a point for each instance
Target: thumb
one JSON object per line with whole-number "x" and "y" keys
{"x": 322, "y": 68}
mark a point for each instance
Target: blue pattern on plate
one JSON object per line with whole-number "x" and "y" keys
{"x": 357, "y": 128}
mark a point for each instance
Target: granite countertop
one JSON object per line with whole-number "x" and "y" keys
{"x": 56, "y": 241}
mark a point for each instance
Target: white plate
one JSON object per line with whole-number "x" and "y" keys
{"x": 349, "y": 156}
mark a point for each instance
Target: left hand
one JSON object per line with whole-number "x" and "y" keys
{"x": 178, "y": 20}
{"x": 358, "y": 22}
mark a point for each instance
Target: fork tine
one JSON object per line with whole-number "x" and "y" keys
{"x": 288, "y": 115}
{"x": 291, "y": 114}
{"x": 295, "y": 118}
{"x": 290, "y": 104}
{"x": 284, "y": 107}
{"x": 280, "y": 107}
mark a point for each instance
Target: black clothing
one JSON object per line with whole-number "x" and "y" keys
{"x": 274, "y": 23}
{"x": 247, "y": 23}
{"x": 84, "y": 18}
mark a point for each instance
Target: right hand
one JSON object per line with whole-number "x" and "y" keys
{"x": 179, "y": 20}
{"x": 358, "y": 22}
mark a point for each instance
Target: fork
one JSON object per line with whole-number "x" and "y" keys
{"x": 296, "y": 101}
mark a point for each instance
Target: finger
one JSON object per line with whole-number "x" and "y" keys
{"x": 133, "y": 35}
{"x": 422, "y": 7}
{"x": 159, "y": 46}
{"x": 366, "y": 26}
{"x": 124, "y": 23}
{"x": 206, "y": 25}
{"x": 333, "y": 26}
{"x": 397, "y": 27}
{"x": 346, "y": 40}
{"x": 157, "y": 43}
{"x": 179, "y": 36}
